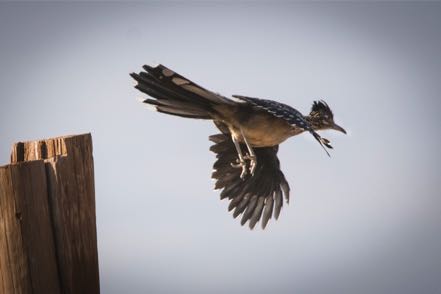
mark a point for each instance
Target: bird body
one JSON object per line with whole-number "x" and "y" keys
{"x": 260, "y": 127}
{"x": 252, "y": 181}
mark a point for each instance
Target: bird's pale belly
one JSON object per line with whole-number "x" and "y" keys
{"x": 263, "y": 134}
{"x": 260, "y": 129}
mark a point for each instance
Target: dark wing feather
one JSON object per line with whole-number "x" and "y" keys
{"x": 257, "y": 197}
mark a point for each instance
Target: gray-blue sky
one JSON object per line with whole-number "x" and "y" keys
{"x": 365, "y": 221}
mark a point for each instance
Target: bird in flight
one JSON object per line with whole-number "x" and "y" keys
{"x": 246, "y": 168}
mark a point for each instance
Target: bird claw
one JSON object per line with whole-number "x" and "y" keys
{"x": 243, "y": 164}
{"x": 253, "y": 163}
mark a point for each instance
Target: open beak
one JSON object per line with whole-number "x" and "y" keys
{"x": 338, "y": 128}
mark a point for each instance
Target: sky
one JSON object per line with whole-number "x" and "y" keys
{"x": 366, "y": 220}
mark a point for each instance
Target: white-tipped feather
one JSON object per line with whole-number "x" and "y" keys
{"x": 140, "y": 99}
{"x": 150, "y": 107}
{"x": 180, "y": 82}
{"x": 238, "y": 100}
{"x": 146, "y": 105}
{"x": 167, "y": 72}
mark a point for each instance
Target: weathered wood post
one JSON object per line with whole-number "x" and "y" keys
{"x": 47, "y": 218}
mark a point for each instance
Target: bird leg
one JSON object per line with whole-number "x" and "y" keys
{"x": 242, "y": 164}
{"x": 251, "y": 155}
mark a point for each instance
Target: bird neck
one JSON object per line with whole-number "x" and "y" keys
{"x": 315, "y": 122}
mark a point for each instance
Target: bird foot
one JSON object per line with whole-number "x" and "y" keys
{"x": 253, "y": 162}
{"x": 241, "y": 164}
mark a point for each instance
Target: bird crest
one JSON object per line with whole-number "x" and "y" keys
{"x": 321, "y": 109}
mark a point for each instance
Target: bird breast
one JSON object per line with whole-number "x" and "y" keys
{"x": 263, "y": 130}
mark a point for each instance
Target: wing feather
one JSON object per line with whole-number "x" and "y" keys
{"x": 268, "y": 212}
{"x": 258, "y": 197}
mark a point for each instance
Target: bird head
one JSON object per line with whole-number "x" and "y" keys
{"x": 322, "y": 118}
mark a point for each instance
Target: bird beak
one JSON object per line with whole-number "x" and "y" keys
{"x": 338, "y": 128}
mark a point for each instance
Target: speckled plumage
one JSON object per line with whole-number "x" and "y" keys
{"x": 280, "y": 110}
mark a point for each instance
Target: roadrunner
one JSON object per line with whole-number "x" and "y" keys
{"x": 247, "y": 167}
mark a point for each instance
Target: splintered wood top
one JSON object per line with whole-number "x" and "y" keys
{"x": 48, "y": 148}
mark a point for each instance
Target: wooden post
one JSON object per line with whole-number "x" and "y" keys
{"x": 47, "y": 218}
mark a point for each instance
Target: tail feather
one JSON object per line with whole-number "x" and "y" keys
{"x": 175, "y": 94}
{"x": 175, "y": 81}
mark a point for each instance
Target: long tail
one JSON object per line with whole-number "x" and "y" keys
{"x": 176, "y": 95}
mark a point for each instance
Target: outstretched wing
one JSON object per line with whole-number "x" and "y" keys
{"x": 257, "y": 197}
{"x": 286, "y": 112}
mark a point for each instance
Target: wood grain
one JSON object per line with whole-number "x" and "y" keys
{"x": 48, "y": 238}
